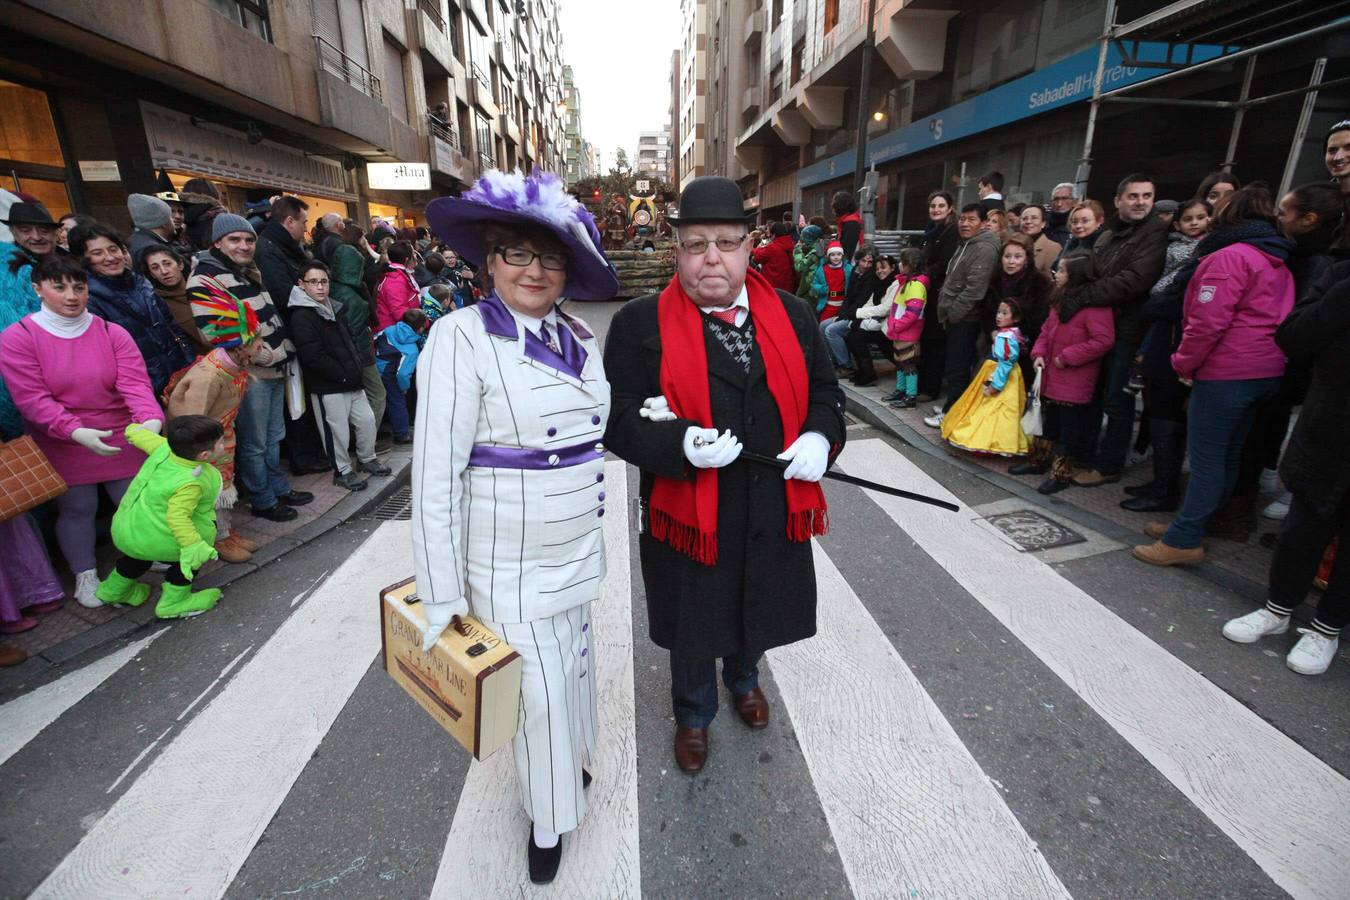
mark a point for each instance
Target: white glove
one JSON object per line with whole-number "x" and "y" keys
{"x": 154, "y": 425}
{"x": 807, "y": 458}
{"x": 438, "y": 619}
{"x": 92, "y": 438}
{"x": 656, "y": 409}
{"x": 870, "y": 325}
{"x": 712, "y": 452}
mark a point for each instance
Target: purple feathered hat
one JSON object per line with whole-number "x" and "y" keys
{"x": 538, "y": 199}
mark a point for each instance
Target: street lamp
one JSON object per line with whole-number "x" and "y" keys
{"x": 878, "y": 116}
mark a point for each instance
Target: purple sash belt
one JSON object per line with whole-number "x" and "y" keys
{"x": 490, "y": 457}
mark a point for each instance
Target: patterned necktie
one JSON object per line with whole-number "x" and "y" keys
{"x": 547, "y": 335}
{"x": 726, "y": 315}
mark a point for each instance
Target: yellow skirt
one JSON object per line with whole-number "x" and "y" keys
{"x": 989, "y": 424}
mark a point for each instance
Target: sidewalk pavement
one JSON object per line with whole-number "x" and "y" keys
{"x": 1241, "y": 567}
{"x": 73, "y": 630}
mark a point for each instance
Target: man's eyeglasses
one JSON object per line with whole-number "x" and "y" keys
{"x": 520, "y": 257}
{"x": 698, "y": 246}
{"x": 316, "y": 281}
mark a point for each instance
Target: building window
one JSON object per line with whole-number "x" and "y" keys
{"x": 831, "y": 15}
{"x": 252, "y": 14}
{"x": 395, "y": 88}
{"x": 483, "y": 141}
{"x": 30, "y": 153}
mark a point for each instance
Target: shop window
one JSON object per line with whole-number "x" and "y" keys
{"x": 831, "y": 15}
{"x": 252, "y": 14}
{"x": 27, "y": 133}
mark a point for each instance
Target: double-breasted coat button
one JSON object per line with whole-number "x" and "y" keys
{"x": 553, "y": 459}
{"x": 552, "y": 431}
{"x": 595, "y": 420}
{"x": 599, "y": 477}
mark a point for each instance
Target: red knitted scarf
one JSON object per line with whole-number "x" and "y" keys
{"x": 683, "y": 514}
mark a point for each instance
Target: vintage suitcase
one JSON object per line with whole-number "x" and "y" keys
{"x": 469, "y": 682}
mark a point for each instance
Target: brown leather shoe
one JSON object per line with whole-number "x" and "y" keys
{"x": 230, "y": 551}
{"x": 1156, "y": 530}
{"x": 754, "y": 709}
{"x": 691, "y": 749}
{"x": 250, "y": 546}
{"x": 1160, "y": 554}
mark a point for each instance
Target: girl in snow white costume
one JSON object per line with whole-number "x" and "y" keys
{"x": 509, "y": 469}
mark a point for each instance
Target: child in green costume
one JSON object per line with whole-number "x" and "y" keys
{"x": 168, "y": 515}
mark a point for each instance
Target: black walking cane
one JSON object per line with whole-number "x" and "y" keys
{"x": 859, "y": 482}
{"x": 846, "y": 479}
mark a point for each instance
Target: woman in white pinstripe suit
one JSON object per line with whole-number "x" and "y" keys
{"x": 508, "y": 473}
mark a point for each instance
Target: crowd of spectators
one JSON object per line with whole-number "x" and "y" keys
{"x": 240, "y": 339}
{"x": 1191, "y": 330}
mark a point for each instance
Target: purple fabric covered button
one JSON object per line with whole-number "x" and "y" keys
{"x": 595, "y": 420}
{"x": 599, "y": 513}
{"x": 586, "y": 627}
{"x": 583, "y": 651}
{"x": 600, "y": 477}
{"x": 602, "y": 495}
{"x": 552, "y": 431}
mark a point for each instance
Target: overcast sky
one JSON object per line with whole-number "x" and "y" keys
{"x": 620, "y": 58}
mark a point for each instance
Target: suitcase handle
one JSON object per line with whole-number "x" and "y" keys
{"x": 459, "y": 626}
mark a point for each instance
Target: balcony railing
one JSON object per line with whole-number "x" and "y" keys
{"x": 486, "y": 161}
{"x": 340, "y": 65}
{"x": 442, "y": 129}
{"x": 432, "y": 8}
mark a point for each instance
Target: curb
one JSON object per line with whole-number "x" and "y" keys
{"x": 879, "y": 416}
{"x": 142, "y": 618}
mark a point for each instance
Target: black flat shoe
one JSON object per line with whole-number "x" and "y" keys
{"x": 585, "y": 779}
{"x": 1147, "y": 489}
{"x": 1053, "y": 486}
{"x": 893, "y": 396}
{"x": 278, "y": 513}
{"x": 1147, "y": 503}
{"x": 543, "y": 863}
{"x": 297, "y": 498}
{"x": 1029, "y": 468}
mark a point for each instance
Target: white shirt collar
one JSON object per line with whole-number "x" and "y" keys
{"x": 531, "y": 323}
{"x": 741, "y": 304}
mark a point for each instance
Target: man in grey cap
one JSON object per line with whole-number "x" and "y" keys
{"x": 152, "y": 220}
{"x": 229, "y": 266}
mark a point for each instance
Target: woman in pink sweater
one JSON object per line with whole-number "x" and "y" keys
{"x": 1240, "y": 293}
{"x": 398, "y": 291}
{"x": 78, "y": 381}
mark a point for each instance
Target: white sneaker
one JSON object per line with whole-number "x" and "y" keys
{"x": 86, "y": 583}
{"x": 1279, "y": 509}
{"x": 934, "y": 421}
{"x": 1270, "y": 481}
{"x": 1313, "y": 653}
{"x": 1254, "y": 626}
{"x": 937, "y": 408}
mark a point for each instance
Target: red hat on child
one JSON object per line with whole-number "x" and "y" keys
{"x": 833, "y": 246}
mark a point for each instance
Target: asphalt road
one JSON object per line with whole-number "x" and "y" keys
{"x": 971, "y": 721}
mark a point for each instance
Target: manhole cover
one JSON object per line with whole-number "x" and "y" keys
{"x": 397, "y": 508}
{"x": 1032, "y": 531}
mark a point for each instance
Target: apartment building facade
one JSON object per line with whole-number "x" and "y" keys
{"x": 263, "y": 96}
{"x": 965, "y": 86}
{"x": 693, "y": 67}
{"x": 653, "y": 154}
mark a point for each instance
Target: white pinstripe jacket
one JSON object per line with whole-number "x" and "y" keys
{"x": 508, "y": 468}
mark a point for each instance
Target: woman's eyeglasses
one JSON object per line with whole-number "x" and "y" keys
{"x": 520, "y": 258}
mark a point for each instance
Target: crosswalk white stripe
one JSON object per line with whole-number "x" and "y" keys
{"x": 1282, "y": 805}
{"x": 23, "y": 719}
{"x": 485, "y": 852}
{"x": 190, "y": 821}
{"x": 910, "y": 810}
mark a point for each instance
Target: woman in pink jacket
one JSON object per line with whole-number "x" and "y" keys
{"x": 78, "y": 381}
{"x": 1236, "y": 299}
{"x": 1068, "y": 355}
{"x": 398, "y": 291}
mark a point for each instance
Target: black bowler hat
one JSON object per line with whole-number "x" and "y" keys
{"x": 24, "y": 213}
{"x": 710, "y": 198}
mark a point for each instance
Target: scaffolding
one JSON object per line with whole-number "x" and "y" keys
{"x": 1180, "y": 26}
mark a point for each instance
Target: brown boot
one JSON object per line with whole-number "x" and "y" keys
{"x": 250, "y": 546}
{"x": 1160, "y": 554}
{"x": 11, "y": 656}
{"x": 231, "y": 552}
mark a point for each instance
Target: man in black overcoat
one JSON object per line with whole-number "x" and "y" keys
{"x": 746, "y": 582}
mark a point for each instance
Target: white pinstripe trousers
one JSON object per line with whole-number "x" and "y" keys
{"x": 557, "y": 714}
